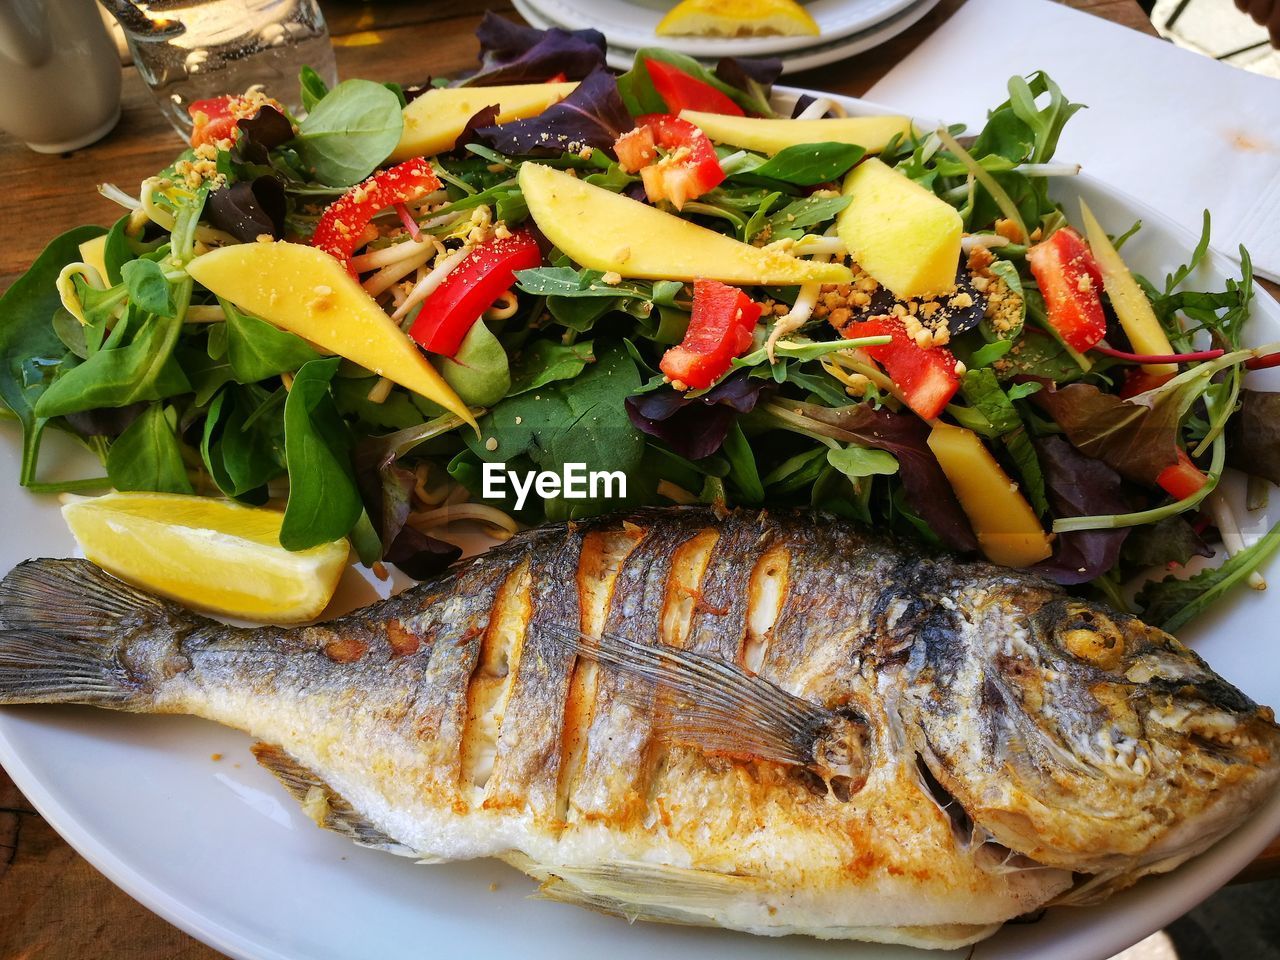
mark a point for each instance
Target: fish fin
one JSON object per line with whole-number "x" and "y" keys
{"x": 74, "y": 599}
{"x": 716, "y": 706}
{"x": 640, "y": 891}
{"x": 319, "y": 801}
{"x": 62, "y": 623}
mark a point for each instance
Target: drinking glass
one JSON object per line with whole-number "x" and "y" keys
{"x": 188, "y": 50}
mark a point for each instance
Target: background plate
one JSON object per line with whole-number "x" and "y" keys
{"x": 622, "y": 58}
{"x": 220, "y": 850}
{"x": 631, "y": 23}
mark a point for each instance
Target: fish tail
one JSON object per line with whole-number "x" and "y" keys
{"x": 64, "y": 626}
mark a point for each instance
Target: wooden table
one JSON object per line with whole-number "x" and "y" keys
{"x": 53, "y": 905}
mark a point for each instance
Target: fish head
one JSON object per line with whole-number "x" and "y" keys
{"x": 1085, "y": 739}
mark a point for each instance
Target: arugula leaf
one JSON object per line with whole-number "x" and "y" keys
{"x": 29, "y": 348}
{"x": 545, "y": 361}
{"x": 791, "y": 220}
{"x": 1171, "y": 540}
{"x": 324, "y": 502}
{"x": 578, "y": 421}
{"x": 569, "y": 282}
{"x": 257, "y": 350}
{"x": 352, "y": 130}
{"x": 1172, "y": 603}
{"x": 805, "y": 165}
{"x": 147, "y": 456}
{"x": 479, "y": 372}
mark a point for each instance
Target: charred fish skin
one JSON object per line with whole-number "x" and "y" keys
{"x": 770, "y": 723}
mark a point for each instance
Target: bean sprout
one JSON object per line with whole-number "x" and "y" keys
{"x": 452, "y": 513}
{"x": 394, "y": 272}
{"x": 1232, "y": 539}
{"x": 379, "y": 392}
{"x": 163, "y": 218}
{"x": 204, "y": 314}
{"x": 816, "y": 110}
{"x": 428, "y": 284}
{"x": 505, "y": 306}
{"x": 116, "y": 195}
{"x": 66, "y": 287}
{"x": 375, "y": 259}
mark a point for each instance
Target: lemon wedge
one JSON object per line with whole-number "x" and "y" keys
{"x": 214, "y": 555}
{"x": 737, "y": 18}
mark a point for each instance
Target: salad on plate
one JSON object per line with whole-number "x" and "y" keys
{"x": 393, "y": 312}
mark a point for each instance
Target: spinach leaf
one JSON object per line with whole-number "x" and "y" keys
{"x": 638, "y": 93}
{"x": 546, "y": 361}
{"x": 324, "y": 502}
{"x": 479, "y": 372}
{"x": 568, "y": 282}
{"x": 313, "y": 88}
{"x": 29, "y": 348}
{"x": 805, "y": 165}
{"x": 856, "y": 462}
{"x": 791, "y": 220}
{"x": 149, "y": 291}
{"x": 1171, "y": 603}
{"x": 242, "y": 455}
{"x": 147, "y": 456}
{"x": 352, "y": 130}
{"x": 743, "y": 473}
{"x": 118, "y": 375}
{"x": 257, "y": 349}
{"x": 117, "y": 252}
{"x": 1010, "y": 328}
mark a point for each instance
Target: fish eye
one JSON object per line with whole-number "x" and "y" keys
{"x": 1090, "y": 635}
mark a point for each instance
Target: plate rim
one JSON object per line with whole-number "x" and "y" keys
{"x": 1213, "y": 867}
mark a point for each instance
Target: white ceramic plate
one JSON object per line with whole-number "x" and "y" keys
{"x": 621, "y": 57}
{"x": 220, "y": 850}
{"x": 631, "y": 24}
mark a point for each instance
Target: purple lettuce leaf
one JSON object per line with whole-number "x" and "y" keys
{"x": 753, "y": 76}
{"x": 420, "y": 556}
{"x": 592, "y": 116}
{"x": 248, "y": 208}
{"x": 260, "y": 134}
{"x": 906, "y": 436}
{"x": 1080, "y": 486}
{"x": 512, "y": 53}
{"x": 484, "y": 117}
{"x": 387, "y": 491}
{"x": 694, "y": 427}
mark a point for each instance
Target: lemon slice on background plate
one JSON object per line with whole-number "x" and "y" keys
{"x": 737, "y": 18}
{"x": 214, "y": 555}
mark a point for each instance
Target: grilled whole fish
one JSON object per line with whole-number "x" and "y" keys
{"x": 771, "y": 723}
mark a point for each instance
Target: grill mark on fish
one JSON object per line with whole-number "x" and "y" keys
{"x": 492, "y": 677}
{"x": 604, "y": 551}
{"x": 530, "y": 749}
{"x": 616, "y": 765}
{"x": 720, "y": 619}
{"x": 684, "y": 594}
{"x": 768, "y": 591}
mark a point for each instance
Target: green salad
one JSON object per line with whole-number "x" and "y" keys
{"x": 395, "y": 311}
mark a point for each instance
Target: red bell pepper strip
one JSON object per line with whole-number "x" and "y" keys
{"x": 1137, "y": 380}
{"x": 679, "y": 91}
{"x": 1071, "y": 283}
{"x": 1180, "y": 480}
{"x": 687, "y": 168}
{"x": 926, "y": 375}
{"x": 470, "y": 289}
{"x": 343, "y": 221}
{"x": 212, "y": 120}
{"x": 216, "y": 118}
{"x": 719, "y": 330}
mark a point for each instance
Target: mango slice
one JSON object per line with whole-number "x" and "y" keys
{"x": 605, "y": 231}
{"x": 1131, "y": 305}
{"x": 770, "y": 135}
{"x": 307, "y": 292}
{"x": 433, "y": 121}
{"x": 1008, "y": 530}
{"x": 899, "y": 232}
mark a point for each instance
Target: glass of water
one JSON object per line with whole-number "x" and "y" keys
{"x": 188, "y": 50}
